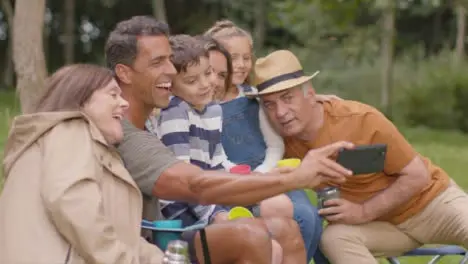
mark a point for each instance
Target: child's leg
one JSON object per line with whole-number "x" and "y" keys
{"x": 277, "y": 206}
{"x": 296, "y": 205}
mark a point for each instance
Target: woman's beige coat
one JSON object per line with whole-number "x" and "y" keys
{"x": 67, "y": 197}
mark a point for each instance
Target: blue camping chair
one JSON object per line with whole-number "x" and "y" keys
{"x": 161, "y": 236}
{"x": 437, "y": 252}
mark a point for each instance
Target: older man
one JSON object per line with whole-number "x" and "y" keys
{"x": 411, "y": 203}
{"x": 139, "y": 53}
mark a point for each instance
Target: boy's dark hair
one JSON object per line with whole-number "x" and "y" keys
{"x": 121, "y": 45}
{"x": 186, "y": 51}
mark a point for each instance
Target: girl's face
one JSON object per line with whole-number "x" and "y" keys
{"x": 219, "y": 68}
{"x": 241, "y": 52}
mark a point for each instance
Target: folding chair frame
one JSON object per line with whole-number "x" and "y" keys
{"x": 438, "y": 253}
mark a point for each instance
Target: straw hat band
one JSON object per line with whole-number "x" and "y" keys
{"x": 280, "y": 78}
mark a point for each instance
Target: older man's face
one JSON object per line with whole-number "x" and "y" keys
{"x": 289, "y": 111}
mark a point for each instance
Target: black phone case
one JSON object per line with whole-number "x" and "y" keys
{"x": 363, "y": 159}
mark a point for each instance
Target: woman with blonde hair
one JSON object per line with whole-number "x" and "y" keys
{"x": 67, "y": 197}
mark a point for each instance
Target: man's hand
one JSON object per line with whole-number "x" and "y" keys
{"x": 344, "y": 212}
{"x": 327, "y": 97}
{"x": 317, "y": 167}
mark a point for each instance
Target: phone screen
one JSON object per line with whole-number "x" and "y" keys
{"x": 363, "y": 159}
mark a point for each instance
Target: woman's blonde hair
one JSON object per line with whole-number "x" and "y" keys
{"x": 224, "y": 29}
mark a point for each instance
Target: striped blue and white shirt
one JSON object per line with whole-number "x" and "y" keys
{"x": 193, "y": 136}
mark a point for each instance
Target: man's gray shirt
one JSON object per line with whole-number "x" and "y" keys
{"x": 146, "y": 158}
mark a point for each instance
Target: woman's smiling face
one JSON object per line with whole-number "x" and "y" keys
{"x": 106, "y": 109}
{"x": 218, "y": 63}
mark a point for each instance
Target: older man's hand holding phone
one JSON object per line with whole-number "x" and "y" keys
{"x": 318, "y": 165}
{"x": 363, "y": 159}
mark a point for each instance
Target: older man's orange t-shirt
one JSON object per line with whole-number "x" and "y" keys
{"x": 362, "y": 124}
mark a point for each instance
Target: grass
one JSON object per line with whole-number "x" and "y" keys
{"x": 445, "y": 148}
{"x": 8, "y": 108}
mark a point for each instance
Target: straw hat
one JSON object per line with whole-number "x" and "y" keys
{"x": 278, "y": 71}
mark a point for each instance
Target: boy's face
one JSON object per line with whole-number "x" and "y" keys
{"x": 193, "y": 85}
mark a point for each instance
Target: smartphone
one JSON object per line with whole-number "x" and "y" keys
{"x": 363, "y": 159}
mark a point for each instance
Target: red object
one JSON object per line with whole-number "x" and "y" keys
{"x": 241, "y": 169}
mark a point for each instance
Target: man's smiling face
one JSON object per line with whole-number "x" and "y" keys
{"x": 153, "y": 71}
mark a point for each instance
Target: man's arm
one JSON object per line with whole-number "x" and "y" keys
{"x": 411, "y": 180}
{"x": 217, "y": 187}
{"x": 401, "y": 162}
{"x": 157, "y": 172}
{"x": 189, "y": 183}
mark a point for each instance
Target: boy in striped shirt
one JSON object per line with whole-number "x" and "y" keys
{"x": 191, "y": 125}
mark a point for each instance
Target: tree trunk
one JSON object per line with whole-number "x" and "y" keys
{"x": 46, "y": 36}
{"x": 69, "y": 31}
{"x": 259, "y": 30}
{"x": 159, "y": 10}
{"x": 387, "y": 50}
{"x": 8, "y": 74}
{"x": 461, "y": 28}
{"x": 436, "y": 31}
{"x": 28, "y": 51}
